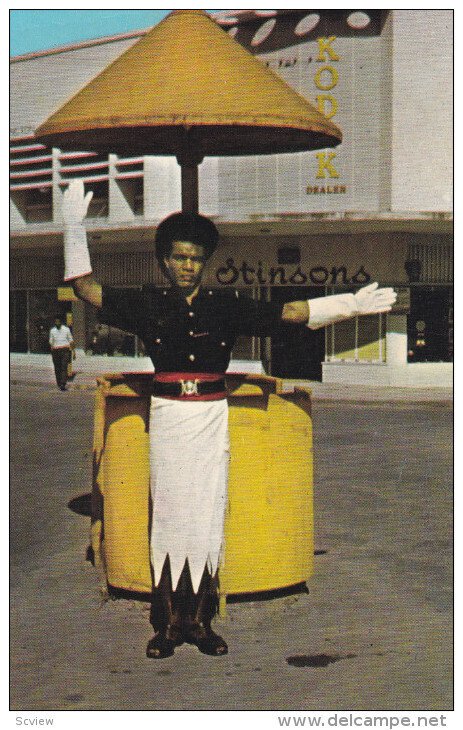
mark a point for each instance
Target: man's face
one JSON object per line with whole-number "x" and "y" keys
{"x": 185, "y": 265}
{"x": 57, "y": 323}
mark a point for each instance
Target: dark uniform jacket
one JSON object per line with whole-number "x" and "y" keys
{"x": 180, "y": 337}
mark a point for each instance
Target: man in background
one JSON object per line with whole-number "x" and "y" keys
{"x": 62, "y": 344}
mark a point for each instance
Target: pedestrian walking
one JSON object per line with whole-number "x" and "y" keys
{"x": 62, "y": 346}
{"x": 189, "y": 332}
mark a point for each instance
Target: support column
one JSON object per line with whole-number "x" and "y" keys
{"x": 78, "y": 326}
{"x": 189, "y": 159}
{"x": 190, "y": 189}
{"x": 396, "y": 340}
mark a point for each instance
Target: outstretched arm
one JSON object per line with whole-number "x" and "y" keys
{"x": 323, "y": 311}
{"x": 86, "y": 288}
{"x": 77, "y": 266}
{"x": 296, "y": 312}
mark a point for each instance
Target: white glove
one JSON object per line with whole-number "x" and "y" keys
{"x": 368, "y": 300}
{"x": 74, "y": 209}
{"x": 371, "y": 300}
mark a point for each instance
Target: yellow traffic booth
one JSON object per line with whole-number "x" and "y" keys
{"x": 269, "y": 526}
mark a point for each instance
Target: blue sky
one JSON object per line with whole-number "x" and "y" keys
{"x": 35, "y": 30}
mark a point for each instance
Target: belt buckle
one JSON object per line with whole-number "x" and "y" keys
{"x": 189, "y": 387}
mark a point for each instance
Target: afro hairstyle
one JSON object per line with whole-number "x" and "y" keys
{"x": 191, "y": 227}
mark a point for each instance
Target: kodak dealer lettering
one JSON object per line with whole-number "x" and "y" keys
{"x": 234, "y": 274}
{"x": 326, "y": 79}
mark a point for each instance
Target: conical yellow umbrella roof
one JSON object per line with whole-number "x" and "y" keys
{"x": 188, "y": 89}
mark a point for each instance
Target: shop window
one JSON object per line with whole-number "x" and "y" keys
{"x": 18, "y": 321}
{"x": 105, "y": 340}
{"x": 43, "y": 310}
{"x": 246, "y": 348}
{"x": 360, "y": 339}
{"x": 101, "y": 339}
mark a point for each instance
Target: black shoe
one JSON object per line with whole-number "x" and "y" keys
{"x": 207, "y": 641}
{"x": 62, "y": 387}
{"x": 164, "y": 642}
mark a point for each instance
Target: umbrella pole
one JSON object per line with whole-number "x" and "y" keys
{"x": 190, "y": 188}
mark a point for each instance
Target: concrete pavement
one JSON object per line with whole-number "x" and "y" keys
{"x": 379, "y": 607}
{"x": 31, "y": 368}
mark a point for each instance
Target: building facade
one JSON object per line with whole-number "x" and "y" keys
{"x": 378, "y": 207}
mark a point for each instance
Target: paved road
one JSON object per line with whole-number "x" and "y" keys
{"x": 379, "y": 603}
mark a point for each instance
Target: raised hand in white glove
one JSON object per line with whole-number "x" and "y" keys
{"x": 75, "y": 203}
{"x": 368, "y": 300}
{"x": 74, "y": 209}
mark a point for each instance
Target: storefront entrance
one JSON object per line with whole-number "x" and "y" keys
{"x": 297, "y": 352}
{"x": 430, "y": 324}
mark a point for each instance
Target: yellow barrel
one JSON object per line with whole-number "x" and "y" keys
{"x": 269, "y": 526}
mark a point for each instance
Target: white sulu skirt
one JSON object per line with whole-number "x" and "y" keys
{"x": 189, "y": 458}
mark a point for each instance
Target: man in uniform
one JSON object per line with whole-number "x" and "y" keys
{"x": 189, "y": 333}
